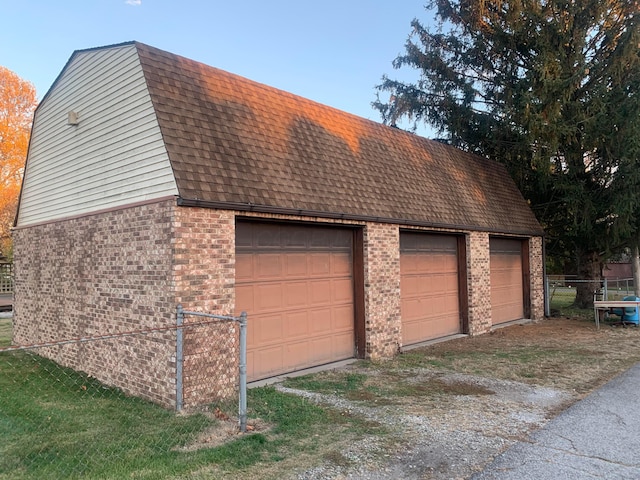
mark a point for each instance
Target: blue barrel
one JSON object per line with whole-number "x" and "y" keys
{"x": 630, "y": 314}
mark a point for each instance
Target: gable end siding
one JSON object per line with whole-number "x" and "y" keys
{"x": 115, "y": 156}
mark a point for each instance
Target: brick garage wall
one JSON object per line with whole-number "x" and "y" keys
{"x": 383, "y": 327}
{"x": 478, "y": 282}
{"x": 100, "y": 274}
{"x": 126, "y": 270}
{"x": 536, "y": 263}
{"x": 204, "y": 268}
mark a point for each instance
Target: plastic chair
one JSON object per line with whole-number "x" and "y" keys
{"x": 628, "y": 314}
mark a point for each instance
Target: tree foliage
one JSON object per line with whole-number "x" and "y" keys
{"x": 17, "y": 104}
{"x": 552, "y": 89}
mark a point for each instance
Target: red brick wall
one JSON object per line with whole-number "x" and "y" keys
{"x": 536, "y": 266}
{"x": 102, "y": 274}
{"x": 382, "y": 290}
{"x": 128, "y": 269}
{"x": 478, "y": 282}
{"x": 204, "y": 256}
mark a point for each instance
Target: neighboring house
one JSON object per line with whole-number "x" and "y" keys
{"x": 617, "y": 271}
{"x": 154, "y": 180}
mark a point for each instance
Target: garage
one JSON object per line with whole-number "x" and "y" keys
{"x": 296, "y": 284}
{"x": 506, "y": 272}
{"x": 429, "y": 286}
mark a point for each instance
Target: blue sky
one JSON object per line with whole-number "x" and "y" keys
{"x": 331, "y": 51}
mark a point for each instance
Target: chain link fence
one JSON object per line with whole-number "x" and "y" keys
{"x": 59, "y": 422}
{"x": 561, "y": 290}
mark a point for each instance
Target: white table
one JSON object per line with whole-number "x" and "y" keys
{"x": 607, "y": 305}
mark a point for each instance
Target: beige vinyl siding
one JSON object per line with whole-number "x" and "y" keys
{"x": 114, "y": 157}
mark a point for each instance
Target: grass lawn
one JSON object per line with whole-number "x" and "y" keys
{"x": 56, "y": 423}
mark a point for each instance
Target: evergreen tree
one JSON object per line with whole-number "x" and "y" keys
{"x": 552, "y": 89}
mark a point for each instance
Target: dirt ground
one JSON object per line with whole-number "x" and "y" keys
{"x": 447, "y": 408}
{"x": 455, "y": 405}
{"x": 570, "y": 354}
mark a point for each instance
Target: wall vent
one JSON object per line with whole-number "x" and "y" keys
{"x": 73, "y": 118}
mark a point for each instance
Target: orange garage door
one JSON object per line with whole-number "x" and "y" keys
{"x": 296, "y": 284}
{"x": 430, "y": 299}
{"x": 507, "y": 297}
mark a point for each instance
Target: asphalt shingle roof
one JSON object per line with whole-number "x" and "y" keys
{"x": 234, "y": 141}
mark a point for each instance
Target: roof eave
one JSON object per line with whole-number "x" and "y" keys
{"x": 275, "y": 210}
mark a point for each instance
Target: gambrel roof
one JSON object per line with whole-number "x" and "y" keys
{"x": 234, "y": 143}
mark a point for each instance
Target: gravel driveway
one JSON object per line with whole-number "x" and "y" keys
{"x": 450, "y": 441}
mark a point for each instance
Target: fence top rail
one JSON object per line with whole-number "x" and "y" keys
{"x": 211, "y": 315}
{"x": 576, "y": 280}
{"x": 109, "y": 336}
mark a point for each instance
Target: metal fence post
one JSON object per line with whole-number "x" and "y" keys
{"x": 242, "y": 408}
{"x": 179, "y": 358}
{"x": 605, "y": 288}
{"x": 547, "y": 299}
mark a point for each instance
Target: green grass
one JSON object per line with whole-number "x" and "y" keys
{"x": 60, "y": 425}
{"x": 562, "y": 305}
{"x": 56, "y": 423}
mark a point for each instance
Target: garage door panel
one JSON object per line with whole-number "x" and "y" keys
{"x": 295, "y": 264}
{"x": 320, "y": 238}
{"x": 251, "y": 358}
{"x": 446, "y": 283}
{"x": 429, "y": 286}
{"x": 320, "y": 349}
{"x": 342, "y": 346}
{"x": 341, "y": 290}
{"x": 507, "y": 298}
{"x": 244, "y": 268}
{"x": 320, "y": 320}
{"x": 302, "y": 276}
{"x": 411, "y": 285}
{"x": 320, "y": 292}
{"x": 296, "y": 294}
{"x": 408, "y": 263}
{"x": 268, "y": 297}
{"x": 341, "y": 264}
{"x": 414, "y": 331}
{"x": 435, "y": 327}
{"x": 342, "y": 318}
{"x": 441, "y": 326}
{"x": 244, "y": 298}
{"x": 296, "y": 355}
{"x": 268, "y": 330}
{"x": 341, "y": 240}
{"x": 412, "y": 309}
{"x": 295, "y": 238}
{"x": 451, "y": 303}
{"x": 270, "y": 360}
{"x": 433, "y": 262}
{"x": 297, "y": 324}
{"x": 320, "y": 264}
{"x": 266, "y": 236}
{"x": 268, "y": 266}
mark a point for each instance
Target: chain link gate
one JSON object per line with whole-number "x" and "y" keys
{"x": 242, "y": 367}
